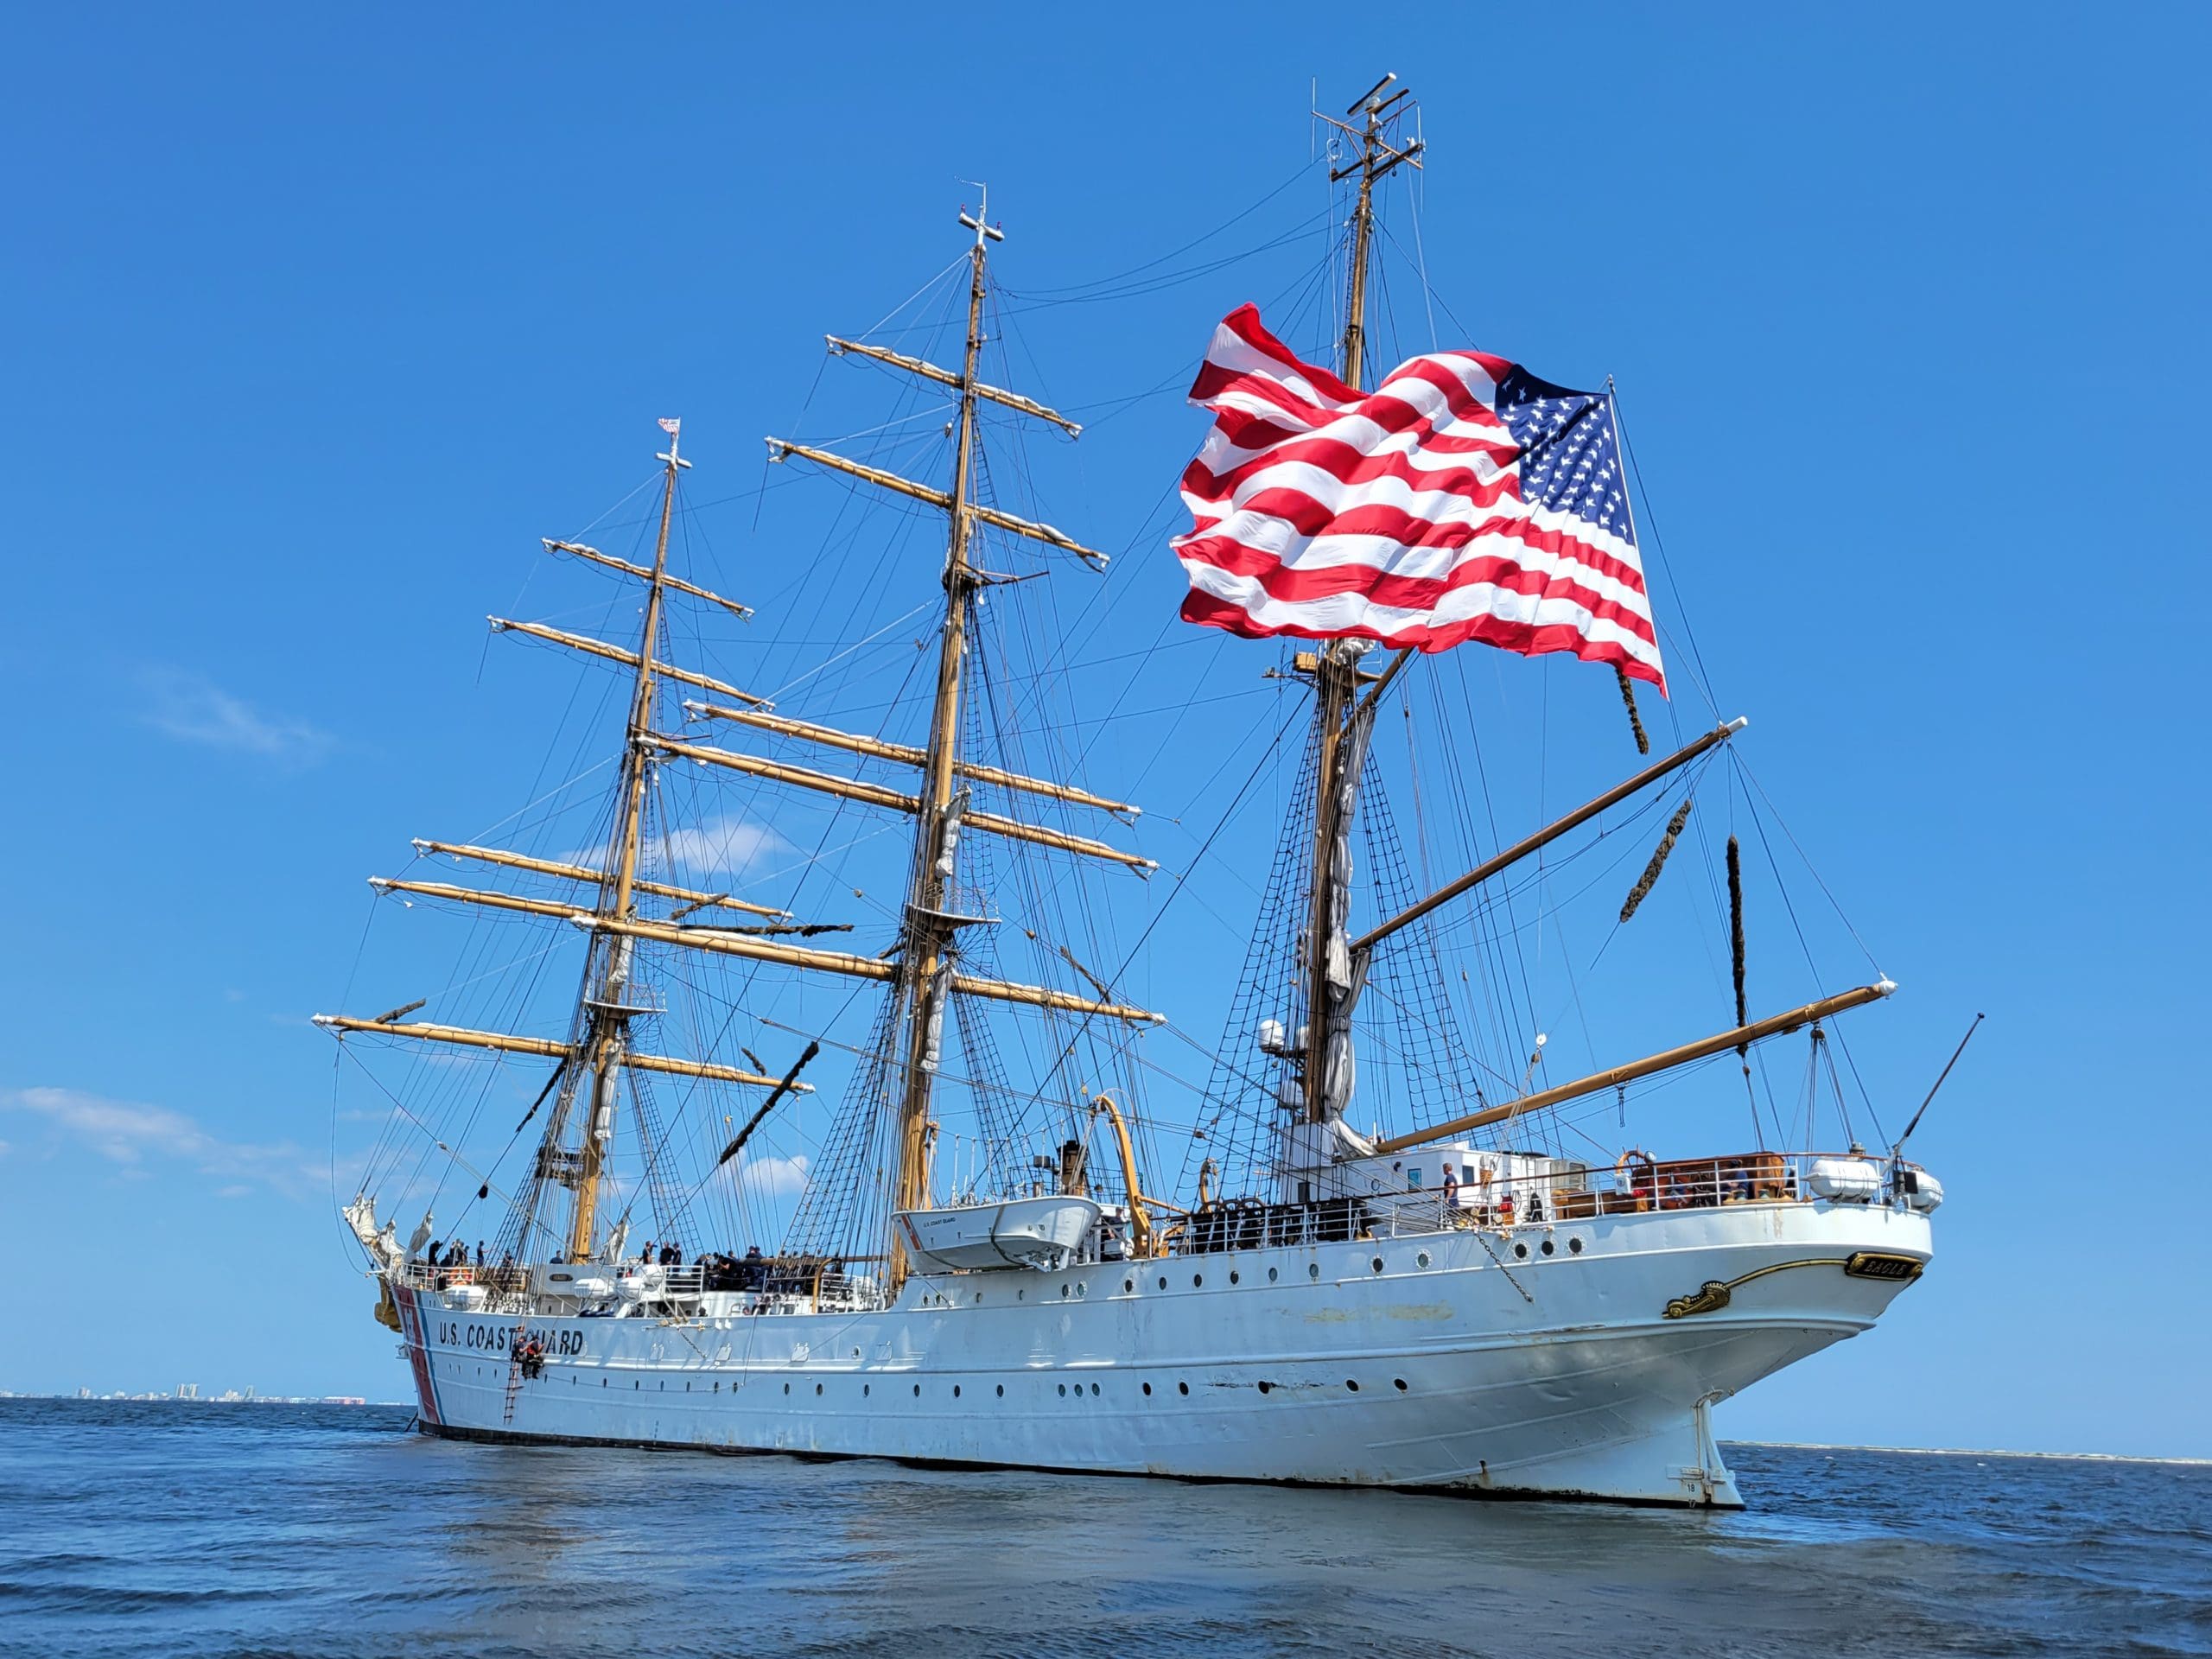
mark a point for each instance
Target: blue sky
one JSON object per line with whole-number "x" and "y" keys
{"x": 313, "y": 324}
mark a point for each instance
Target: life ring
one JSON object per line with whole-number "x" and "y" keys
{"x": 1637, "y": 1181}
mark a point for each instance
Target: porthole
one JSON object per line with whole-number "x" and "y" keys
{"x": 1312, "y": 1269}
{"x": 1081, "y": 1291}
{"x": 956, "y": 1390}
{"x": 788, "y": 1388}
{"x": 917, "y": 1390}
{"x": 1094, "y": 1391}
{"x": 1400, "y": 1382}
{"x": 1352, "y": 1385}
{"x": 1128, "y": 1284}
{"x": 1421, "y": 1261}
{"x": 718, "y": 1387}
{"x": 1267, "y": 1387}
{"x": 865, "y": 1386}
{"x": 1163, "y": 1281}
{"x": 1147, "y": 1389}
{"x": 1377, "y": 1264}
{"x": 1234, "y": 1276}
{"x": 1020, "y": 1294}
{"x": 1063, "y": 1290}
{"x": 1001, "y": 1390}
{"x": 1182, "y": 1388}
{"x": 1196, "y": 1279}
{"x": 1574, "y": 1247}
{"x": 1521, "y": 1251}
{"x": 1271, "y": 1275}
{"x": 1063, "y": 1390}
{"x": 817, "y": 1388}
{"x": 1546, "y": 1247}
{"x": 979, "y": 1296}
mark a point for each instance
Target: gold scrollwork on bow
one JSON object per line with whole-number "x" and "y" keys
{"x": 1710, "y": 1297}
{"x": 1716, "y": 1293}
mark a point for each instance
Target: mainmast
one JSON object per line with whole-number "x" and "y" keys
{"x": 610, "y": 1012}
{"x": 1341, "y": 722}
{"x": 924, "y": 970}
{"x": 929, "y": 923}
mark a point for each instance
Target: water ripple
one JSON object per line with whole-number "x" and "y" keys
{"x": 316, "y": 1533}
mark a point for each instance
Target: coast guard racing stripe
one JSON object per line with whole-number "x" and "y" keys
{"x": 410, "y": 1317}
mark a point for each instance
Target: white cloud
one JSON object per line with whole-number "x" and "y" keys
{"x": 718, "y": 846}
{"x": 194, "y": 709}
{"x": 130, "y": 1135}
{"x": 772, "y": 1177}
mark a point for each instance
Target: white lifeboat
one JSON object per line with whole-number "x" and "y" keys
{"x": 641, "y": 1283}
{"x": 1853, "y": 1180}
{"x": 1922, "y": 1191}
{"x": 1041, "y": 1233}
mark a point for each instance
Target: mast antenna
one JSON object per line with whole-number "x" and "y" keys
{"x": 979, "y": 223}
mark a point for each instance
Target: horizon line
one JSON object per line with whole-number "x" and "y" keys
{"x": 1969, "y": 1452}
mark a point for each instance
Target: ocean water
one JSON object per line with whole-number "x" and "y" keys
{"x": 253, "y": 1529}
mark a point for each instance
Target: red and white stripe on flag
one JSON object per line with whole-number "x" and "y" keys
{"x": 670, "y": 427}
{"x": 1462, "y": 499}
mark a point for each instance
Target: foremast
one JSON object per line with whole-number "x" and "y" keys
{"x": 600, "y": 1047}
{"x": 929, "y": 923}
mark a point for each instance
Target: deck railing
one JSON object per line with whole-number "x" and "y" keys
{"x": 1637, "y": 1185}
{"x": 775, "y": 1284}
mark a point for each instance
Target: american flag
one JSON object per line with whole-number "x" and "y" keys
{"x": 670, "y": 427}
{"x": 1462, "y": 499}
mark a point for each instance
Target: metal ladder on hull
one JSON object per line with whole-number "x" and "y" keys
{"x": 516, "y": 1344}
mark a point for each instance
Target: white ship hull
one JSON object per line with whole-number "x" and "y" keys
{"x": 1475, "y": 1369}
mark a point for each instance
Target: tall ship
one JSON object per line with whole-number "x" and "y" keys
{"x": 797, "y": 1088}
